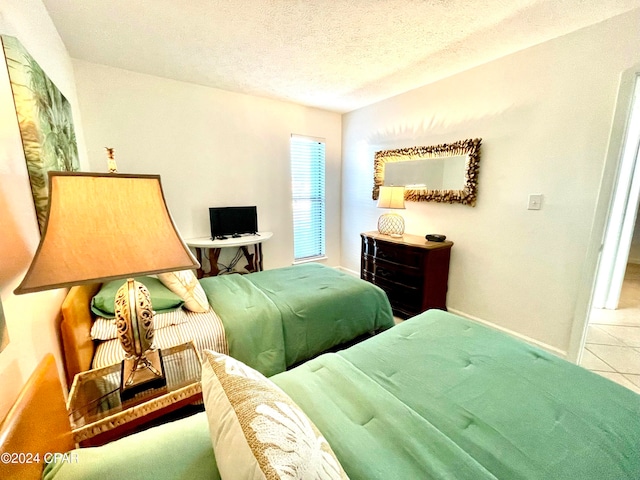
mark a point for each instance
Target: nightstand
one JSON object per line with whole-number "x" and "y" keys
{"x": 97, "y": 414}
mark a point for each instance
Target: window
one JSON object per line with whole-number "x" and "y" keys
{"x": 307, "y": 185}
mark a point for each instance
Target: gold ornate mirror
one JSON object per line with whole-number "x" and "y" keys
{"x": 438, "y": 173}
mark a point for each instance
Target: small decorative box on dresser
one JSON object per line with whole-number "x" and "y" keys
{"x": 412, "y": 271}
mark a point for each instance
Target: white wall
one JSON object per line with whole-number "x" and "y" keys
{"x": 544, "y": 115}
{"x": 211, "y": 147}
{"x": 31, "y": 319}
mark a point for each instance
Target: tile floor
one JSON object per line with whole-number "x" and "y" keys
{"x": 612, "y": 347}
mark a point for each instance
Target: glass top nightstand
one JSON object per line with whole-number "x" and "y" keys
{"x": 94, "y": 403}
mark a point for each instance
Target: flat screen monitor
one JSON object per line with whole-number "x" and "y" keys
{"x": 233, "y": 221}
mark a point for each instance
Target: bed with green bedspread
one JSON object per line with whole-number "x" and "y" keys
{"x": 440, "y": 396}
{"x": 436, "y": 397}
{"x": 277, "y": 318}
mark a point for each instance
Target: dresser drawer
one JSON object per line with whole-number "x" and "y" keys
{"x": 392, "y": 272}
{"x": 399, "y": 254}
{"x": 406, "y": 297}
{"x": 405, "y": 300}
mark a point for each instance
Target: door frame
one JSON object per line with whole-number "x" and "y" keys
{"x": 604, "y": 203}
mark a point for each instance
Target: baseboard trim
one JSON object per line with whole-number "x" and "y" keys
{"x": 544, "y": 346}
{"x": 532, "y": 341}
{"x": 350, "y": 272}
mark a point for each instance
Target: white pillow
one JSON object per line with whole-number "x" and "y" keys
{"x": 185, "y": 284}
{"x": 257, "y": 430}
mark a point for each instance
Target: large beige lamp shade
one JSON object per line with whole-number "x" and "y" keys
{"x": 391, "y": 224}
{"x": 103, "y": 227}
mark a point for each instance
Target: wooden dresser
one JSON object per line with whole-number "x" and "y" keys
{"x": 412, "y": 271}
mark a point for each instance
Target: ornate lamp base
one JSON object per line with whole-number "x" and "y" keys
{"x": 391, "y": 224}
{"x": 141, "y": 373}
{"x": 142, "y": 368}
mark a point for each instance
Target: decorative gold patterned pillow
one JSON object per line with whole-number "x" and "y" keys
{"x": 185, "y": 284}
{"x": 257, "y": 431}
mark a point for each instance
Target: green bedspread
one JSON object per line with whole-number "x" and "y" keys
{"x": 436, "y": 397}
{"x": 443, "y": 397}
{"x": 277, "y": 318}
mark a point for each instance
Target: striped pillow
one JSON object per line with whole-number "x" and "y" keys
{"x": 105, "y": 328}
{"x": 205, "y": 330}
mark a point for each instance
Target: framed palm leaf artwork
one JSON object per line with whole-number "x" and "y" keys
{"x": 4, "y": 334}
{"x": 46, "y": 124}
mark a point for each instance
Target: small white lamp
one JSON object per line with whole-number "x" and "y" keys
{"x": 391, "y": 224}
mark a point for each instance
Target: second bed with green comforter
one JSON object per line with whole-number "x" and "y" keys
{"x": 442, "y": 397}
{"x": 436, "y": 397}
{"x": 277, "y": 318}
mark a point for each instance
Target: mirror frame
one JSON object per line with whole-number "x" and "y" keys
{"x": 466, "y": 196}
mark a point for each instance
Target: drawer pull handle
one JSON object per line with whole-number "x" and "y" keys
{"x": 382, "y": 254}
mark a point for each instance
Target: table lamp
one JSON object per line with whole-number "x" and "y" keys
{"x": 109, "y": 226}
{"x": 391, "y": 224}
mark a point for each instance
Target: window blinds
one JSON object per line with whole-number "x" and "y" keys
{"x": 307, "y": 185}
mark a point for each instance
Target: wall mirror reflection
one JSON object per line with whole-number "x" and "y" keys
{"x": 437, "y": 173}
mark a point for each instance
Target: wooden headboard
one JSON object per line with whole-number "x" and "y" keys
{"x": 37, "y": 424}
{"x": 75, "y": 330}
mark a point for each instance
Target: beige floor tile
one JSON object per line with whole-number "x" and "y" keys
{"x": 629, "y": 336}
{"x": 599, "y": 335}
{"x": 613, "y": 336}
{"x": 591, "y": 362}
{"x": 622, "y": 359}
{"x": 620, "y": 379}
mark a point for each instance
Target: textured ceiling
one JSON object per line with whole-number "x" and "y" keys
{"x": 338, "y": 55}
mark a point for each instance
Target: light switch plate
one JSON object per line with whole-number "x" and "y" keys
{"x": 535, "y": 201}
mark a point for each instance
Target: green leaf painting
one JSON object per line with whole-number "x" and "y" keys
{"x": 45, "y": 121}
{"x": 4, "y": 334}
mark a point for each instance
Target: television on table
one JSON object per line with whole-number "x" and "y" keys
{"x": 233, "y": 221}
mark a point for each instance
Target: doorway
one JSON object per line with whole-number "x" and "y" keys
{"x": 611, "y": 344}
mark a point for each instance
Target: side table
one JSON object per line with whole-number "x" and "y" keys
{"x": 254, "y": 260}
{"x": 98, "y": 415}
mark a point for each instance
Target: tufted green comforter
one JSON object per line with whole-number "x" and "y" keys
{"x": 436, "y": 397}
{"x": 443, "y": 397}
{"x": 277, "y": 318}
